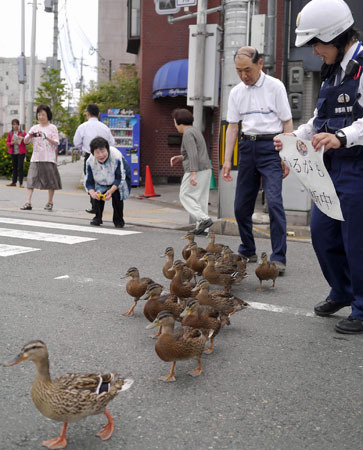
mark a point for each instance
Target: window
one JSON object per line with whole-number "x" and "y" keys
{"x": 13, "y": 112}
{"x": 133, "y": 26}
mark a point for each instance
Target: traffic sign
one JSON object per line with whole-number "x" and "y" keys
{"x": 183, "y": 3}
{"x": 166, "y": 7}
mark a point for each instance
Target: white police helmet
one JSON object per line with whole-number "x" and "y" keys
{"x": 322, "y": 19}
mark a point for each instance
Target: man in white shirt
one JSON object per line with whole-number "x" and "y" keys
{"x": 86, "y": 132}
{"x": 260, "y": 102}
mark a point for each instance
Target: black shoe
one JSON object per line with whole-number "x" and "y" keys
{"x": 250, "y": 259}
{"x": 96, "y": 222}
{"x": 281, "y": 266}
{"x": 328, "y": 307}
{"x": 90, "y": 211}
{"x": 349, "y": 326}
{"x": 204, "y": 224}
{"x": 119, "y": 225}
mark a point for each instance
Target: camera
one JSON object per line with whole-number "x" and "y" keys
{"x": 37, "y": 134}
{"x": 102, "y": 196}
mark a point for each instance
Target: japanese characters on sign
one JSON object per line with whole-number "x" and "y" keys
{"x": 307, "y": 164}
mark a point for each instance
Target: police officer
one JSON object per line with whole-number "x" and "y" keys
{"x": 260, "y": 102}
{"x": 327, "y": 25}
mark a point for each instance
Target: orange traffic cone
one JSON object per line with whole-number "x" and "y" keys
{"x": 149, "y": 187}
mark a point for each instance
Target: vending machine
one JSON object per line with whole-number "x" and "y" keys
{"x": 125, "y": 128}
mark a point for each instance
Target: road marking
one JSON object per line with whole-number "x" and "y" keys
{"x": 64, "y": 226}
{"x": 36, "y": 236}
{"x": 10, "y": 250}
{"x": 281, "y": 309}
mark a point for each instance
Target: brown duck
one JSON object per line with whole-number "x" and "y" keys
{"x": 168, "y": 272}
{"x": 155, "y": 303}
{"x": 182, "y": 289}
{"x": 221, "y": 276}
{"x": 203, "y": 317}
{"x": 267, "y": 270}
{"x": 237, "y": 261}
{"x": 194, "y": 262}
{"x": 212, "y": 246}
{"x": 136, "y": 287}
{"x": 178, "y": 344}
{"x": 186, "y": 250}
{"x": 224, "y": 302}
{"x": 70, "y": 397}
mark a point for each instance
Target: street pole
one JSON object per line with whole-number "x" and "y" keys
{"x": 199, "y": 65}
{"x": 55, "y": 34}
{"x": 269, "y": 59}
{"x": 22, "y": 53}
{"x": 32, "y": 68}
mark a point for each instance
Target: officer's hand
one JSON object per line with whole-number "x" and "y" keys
{"x": 226, "y": 171}
{"x": 285, "y": 170}
{"x": 329, "y": 140}
{"x": 277, "y": 141}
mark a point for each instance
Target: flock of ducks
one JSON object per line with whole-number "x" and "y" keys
{"x": 203, "y": 312}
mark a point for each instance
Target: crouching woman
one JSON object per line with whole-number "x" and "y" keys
{"x": 108, "y": 175}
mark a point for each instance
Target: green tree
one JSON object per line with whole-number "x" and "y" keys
{"x": 53, "y": 92}
{"x": 122, "y": 91}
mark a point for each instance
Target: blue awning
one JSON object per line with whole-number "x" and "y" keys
{"x": 171, "y": 79}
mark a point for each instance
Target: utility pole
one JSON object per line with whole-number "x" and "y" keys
{"x": 55, "y": 34}
{"x": 32, "y": 68}
{"x": 199, "y": 65}
{"x": 22, "y": 66}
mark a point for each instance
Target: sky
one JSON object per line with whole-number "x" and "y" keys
{"x": 77, "y": 24}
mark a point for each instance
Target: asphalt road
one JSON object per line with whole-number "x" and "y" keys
{"x": 279, "y": 377}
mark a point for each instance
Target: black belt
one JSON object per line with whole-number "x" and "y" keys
{"x": 258, "y": 137}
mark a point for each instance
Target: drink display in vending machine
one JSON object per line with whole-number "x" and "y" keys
{"x": 125, "y": 128}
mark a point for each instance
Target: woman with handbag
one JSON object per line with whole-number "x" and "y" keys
{"x": 17, "y": 150}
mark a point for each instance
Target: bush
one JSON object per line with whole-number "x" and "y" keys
{"x": 6, "y": 166}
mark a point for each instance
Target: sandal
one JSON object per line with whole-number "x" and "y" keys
{"x": 48, "y": 206}
{"x": 26, "y": 207}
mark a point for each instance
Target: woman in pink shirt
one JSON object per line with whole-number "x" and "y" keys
{"x": 43, "y": 172}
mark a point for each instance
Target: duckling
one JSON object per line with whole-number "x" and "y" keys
{"x": 194, "y": 261}
{"x": 212, "y": 247}
{"x": 136, "y": 287}
{"x": 177, "y": 286}
{"x": 178, "y": 344}
{"x": 237, "y": 261}
{"x": 266, "y": 270}
{"x": 156, "y": 303}
{"x": 202, "y": 317}
{"x": 220, "y": 276}
{"x": 186, "y": 250}
{"x": 70, "y": 397}
{"x": 226, "y": 303}
{"x": 168, "y": 272}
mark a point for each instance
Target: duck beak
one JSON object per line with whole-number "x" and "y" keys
{"x": 18, "y": 359}
{"x": 184, "y": 313}
{"x": 145, "y": 296}
{"x": 152, "y": 325}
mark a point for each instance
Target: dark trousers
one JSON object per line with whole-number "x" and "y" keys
{"x": 117, "y": 205}
{"x": 86, "y": 156}
{"x": 259, "y": 159}
{"x": 18, "y": 166}
{"x": 339, "y": 245}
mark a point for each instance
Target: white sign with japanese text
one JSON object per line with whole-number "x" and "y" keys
{"x": 299, "y": 155}
{"x": 181, "y": 3}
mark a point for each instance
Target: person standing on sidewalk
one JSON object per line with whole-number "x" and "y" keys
{"x": 194, "y": 189}
{"x": 43, "y": 172}
{"x": 337, "y": 124}
{"x": 88, "y": 131}
{"x": 260, "y": 102}
{"x": 17, "y": 150}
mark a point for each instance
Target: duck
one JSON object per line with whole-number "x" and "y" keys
{"x": 186, "y": 250}
{"x": 182, "y": 289}
{"x": 266, "y": 270}
{"x": 212, "y": 246}
{"x": 221, "y": 276}
{"x": 168, "y": 272}
{"x": 202, "y": 317}
{"x": 136, "y": 287}
{"x": 237, "y": 261}
{"x": 178, "y": 344}
{"x": 155, "y": 303}
{"x": 70, "y": 397}
{"x": 194, "y": 262}
{"x": 226, "y": 303}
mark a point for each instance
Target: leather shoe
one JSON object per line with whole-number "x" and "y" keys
{"x": 96, "y": 222}
{"x": 11, "y": 184}
{"x": 90, "y": 211}
{"x": 204, "y": 224}
{"x": 281, "y": 266}
{"x": 328, "y": 307}
{"x": 349, "y": 326}
{"x": 250, "y": 259}
{"x": 120, "y": 224}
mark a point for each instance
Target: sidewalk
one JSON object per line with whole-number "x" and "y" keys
{"x": 164, "y": 211}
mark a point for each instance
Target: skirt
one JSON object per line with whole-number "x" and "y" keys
{"x": 43, "y": 175}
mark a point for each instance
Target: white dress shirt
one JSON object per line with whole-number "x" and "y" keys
{"x": 88, "y": 131}
{"x": 262, "y": 107}
{"x": 354, "y": 132}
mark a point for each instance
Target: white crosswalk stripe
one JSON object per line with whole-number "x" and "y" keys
{"x": 48, "y": 237}
{"x": 11, "y": 250}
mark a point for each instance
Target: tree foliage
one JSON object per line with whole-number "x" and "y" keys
{"x": 122, "y": 91}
